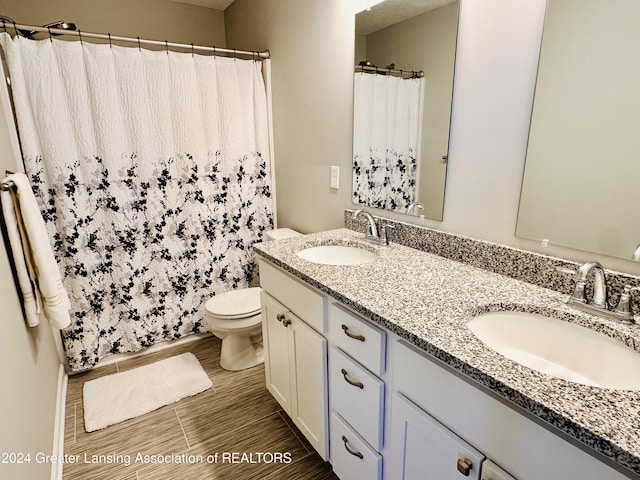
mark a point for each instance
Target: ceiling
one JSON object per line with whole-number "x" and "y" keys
{"x": 379, "y": 16}
{"x": 390, "y": 12}
{"x": 215, "y": 4}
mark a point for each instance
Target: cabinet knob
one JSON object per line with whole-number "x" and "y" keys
{"x": 280, "y": 317}
{"x": 464, "y": 466}
{"x": 286, "y": 322}
{"x": 352, "y": 335}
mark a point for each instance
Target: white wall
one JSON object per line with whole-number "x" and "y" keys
{"x": 312, "y": 46}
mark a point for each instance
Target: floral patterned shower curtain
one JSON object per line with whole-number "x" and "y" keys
{"x": 385, "y": 140}
{"x": 153, "y": 174}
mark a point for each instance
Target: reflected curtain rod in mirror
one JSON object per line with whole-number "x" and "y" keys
{"x": 388, "y": 71}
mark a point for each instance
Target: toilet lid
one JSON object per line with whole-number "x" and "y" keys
{"x": 239, "y": 303}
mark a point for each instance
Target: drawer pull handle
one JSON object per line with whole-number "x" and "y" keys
{"x": 352, "y": 335}
{"x": 360, "y": 385}
{"x": 280, "y": 317}
{"x": 353, "y": 452}
{"x": 464, "y": 466}
{"x": 286, "y": 322}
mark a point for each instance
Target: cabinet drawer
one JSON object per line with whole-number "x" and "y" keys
{"x": 300, "y": 299}
{"x": 361, "y": 340}
{"x": 351, "y": 457}
{"x": 358, "y": 396}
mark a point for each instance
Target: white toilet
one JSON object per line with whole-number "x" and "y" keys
{"x": 234, "y": 317}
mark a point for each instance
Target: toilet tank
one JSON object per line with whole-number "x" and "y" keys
{"x": 280, "y": 233}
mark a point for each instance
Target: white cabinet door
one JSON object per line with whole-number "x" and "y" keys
{"x": 310, "y": 413}
{"x": 423, "y": 448}
{"x": 276, "y": 351}
{"x": 295, "y": 359}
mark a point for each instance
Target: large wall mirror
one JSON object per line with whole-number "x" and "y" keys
{"x": 581, "y": 186}
{"x": 402, "y": 104}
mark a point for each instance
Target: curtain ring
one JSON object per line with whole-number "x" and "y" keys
{"x": 234, "y": 53}
{"x": 15, "y": 28}
{"x": 80, "y": 35}
{"x": 4, "y": 25}
{"x": 166, "y": 44}
{"x": 50, "y": 37}
{"x": 139, "y": 47}
{"x": 192, "y": 54}
{"x": 110, "y": 45}
{"x": 214, "y": 50}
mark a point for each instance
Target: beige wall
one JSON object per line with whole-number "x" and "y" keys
{"x": 312, "y": 46}
{"x": 29, "y": 362}
{"x": 150, "y": 19}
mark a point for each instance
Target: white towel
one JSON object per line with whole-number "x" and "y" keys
{"x": 38, "y": 273}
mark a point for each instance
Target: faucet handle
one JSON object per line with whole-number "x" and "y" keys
{"x": 578, "y": 295}
{"x": 384, "y": 241}
{"x": 624, "y": 304}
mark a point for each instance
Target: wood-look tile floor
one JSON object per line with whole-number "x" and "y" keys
{"x": 238, "y": 415}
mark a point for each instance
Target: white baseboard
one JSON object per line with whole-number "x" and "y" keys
{"x": 58, "y": 429}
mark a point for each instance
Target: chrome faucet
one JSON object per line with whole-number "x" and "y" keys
{"x": 414, "y": 206}
{"x": 372, "y": 230}
{"x": 599, "y": 299}
{"x": 599, "y": 304}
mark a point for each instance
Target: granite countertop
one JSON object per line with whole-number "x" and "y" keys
{"x": 427, "y": 300}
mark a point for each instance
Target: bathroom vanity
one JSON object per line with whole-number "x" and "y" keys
{"x": 376, "y": 365}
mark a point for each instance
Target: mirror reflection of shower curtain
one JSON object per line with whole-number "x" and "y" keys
{"x": 385, "y": 140}
{"x": 153, "y": 171}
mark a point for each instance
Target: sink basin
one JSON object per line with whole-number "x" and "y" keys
{"x": 337, "y": 255}
{"x": 559, "y": 348}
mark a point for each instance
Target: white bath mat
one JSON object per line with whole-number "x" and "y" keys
{"x": 121, "y": 396}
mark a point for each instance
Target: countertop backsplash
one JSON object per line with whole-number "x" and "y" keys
{"x": 535, "y": 268}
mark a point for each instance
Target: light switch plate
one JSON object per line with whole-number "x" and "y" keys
{"x": 335, "y": 177}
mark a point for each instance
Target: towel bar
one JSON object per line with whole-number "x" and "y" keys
{"x": 7, "y": 186}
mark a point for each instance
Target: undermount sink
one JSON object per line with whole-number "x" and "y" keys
{"x": 559, "y": 348}
{"x": 337, "y": 255}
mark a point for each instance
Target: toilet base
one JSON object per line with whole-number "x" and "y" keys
{"x": 239, "y": 352}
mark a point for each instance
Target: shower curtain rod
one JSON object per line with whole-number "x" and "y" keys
{"x": 394, "y": 73}
{"x": 139, "y": 41}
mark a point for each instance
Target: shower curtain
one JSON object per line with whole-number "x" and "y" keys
{"x": 385, "y": 140}
{"x": 153, "y": 175}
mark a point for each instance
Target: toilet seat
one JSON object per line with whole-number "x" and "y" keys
{"x": 235, "y": 304}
